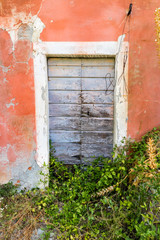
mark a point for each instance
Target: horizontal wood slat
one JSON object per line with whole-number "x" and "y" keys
{"x": 85, "y": 110}
{"x": 65, "y": 97}
{"x": 80, "y": 61}
{"x": 65, "y": 123}
{"x": 97, "y": 97}
{"x": 84, "y": 123}
{"x": 97, "y": 137}
{"x": 89, "y": 150}
{"x": 64, "y": 84}
{"x": 98, "y": 124}
{"x": 98, "y": 62}
{"x": 67, "y": 149}
{"x": 100, "y": 71}
{"x": 64, "y": 61}
{"x": 71, "y": 152}
{"x": 97, "y": 110}
{"x": 64, "y": 110}
{"x": 65, "y": 136}
{"x": 78, "y": 97}
{"x": 64, "y": 71}
{"x": 89, "y": 84}
{"x": 78, "y": 71}
{"x": 97, "y": 84}
{"x": 81, "y": 137}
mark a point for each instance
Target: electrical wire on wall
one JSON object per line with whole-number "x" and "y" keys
{"x": 109, "y": 83}
{"x": 125, "y": 57}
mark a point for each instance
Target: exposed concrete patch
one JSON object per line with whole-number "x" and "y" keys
{"x": 32, "y": 30}
{"x": 26, "y": 173}
{"x": 25, "y": 32}
{"x": 29, "y": 178}
{"x": 23, "y": 26}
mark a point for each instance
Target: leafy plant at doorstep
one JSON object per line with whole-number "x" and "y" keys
{"x": 108, "y": 199}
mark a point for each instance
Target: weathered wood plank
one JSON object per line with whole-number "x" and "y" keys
{"x": 65, "y": 123}
{"x": 67, "y": 150}
{"x": 64, "y": 97}
{"x": 98, "y": 61}
{"x": 64, "y": 61}
{"x": 87, "y": 137}
{"x": 79, "y": 61}
{"x": 97, "y": 110}
{"x": 97, "y": 71}
{"x": 64, "y": 84}
{"x": 64, "y": 110}
{"x": 98, "y": 124}
{"x": 75, "y": 123}
{"x": 95, "y": 84}
{"x": 65, "y": 136}
{"x": 97, "y": 137}
{"x": 97, "y": 97}
{"x": 90, "y": 150}
{"x": 69, "y": 153}
{"x": 92, "y": 110}
{"x": 64, "y": 71}
{"x": 92, "y": 84}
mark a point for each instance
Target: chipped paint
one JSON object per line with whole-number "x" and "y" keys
{"x": 18, "y": 29}
{"x": 12, "y": 103}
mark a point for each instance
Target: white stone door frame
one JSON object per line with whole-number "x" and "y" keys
{"x": 43, "y": 50}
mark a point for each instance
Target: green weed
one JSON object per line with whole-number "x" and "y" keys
{"x": 115, "y": 198}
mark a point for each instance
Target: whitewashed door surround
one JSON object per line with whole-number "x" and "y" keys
{"x": 42, "y": 50}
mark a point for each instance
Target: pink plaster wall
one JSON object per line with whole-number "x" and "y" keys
{"x": 71, "y": 20}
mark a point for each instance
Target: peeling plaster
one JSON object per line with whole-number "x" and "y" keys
{"x": 6, "y": 69}
{"x": 25, "y": 32}
{"x": 18, "y": 161}
{"x": 5, "y": 80}
{"x": 30, "y": 177}
{"x": 25, "y": 173}
{"x": 12, "y": 104}
{"x": 14, "y": 23}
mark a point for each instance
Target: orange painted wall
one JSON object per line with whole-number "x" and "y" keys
{"x": 71, "y": 20}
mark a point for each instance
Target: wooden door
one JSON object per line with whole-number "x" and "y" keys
{"x": 81, "y": 107}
